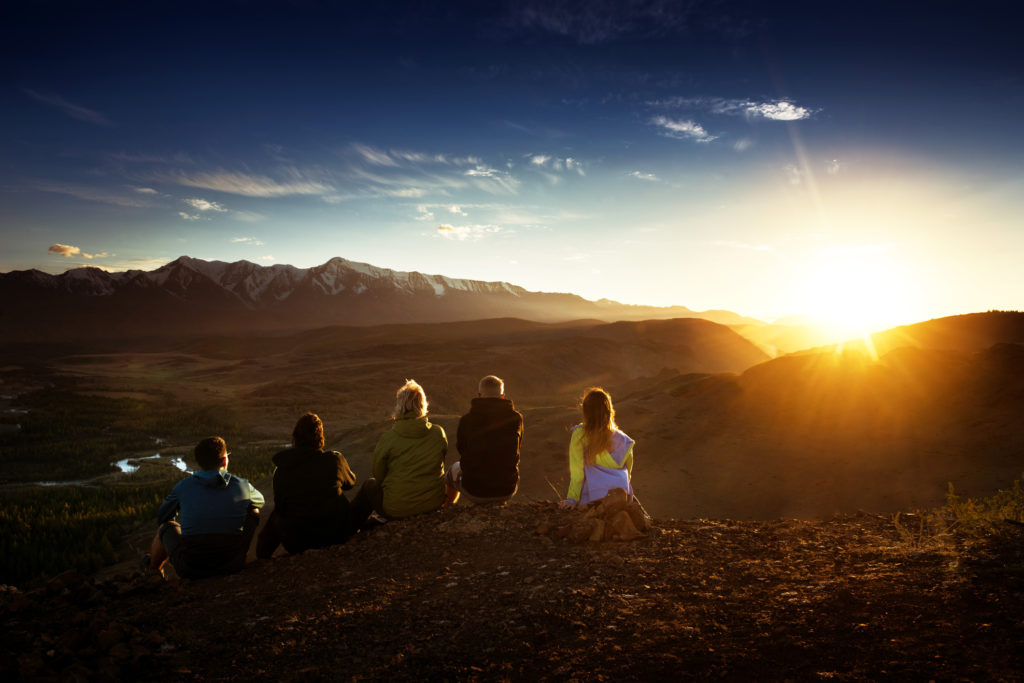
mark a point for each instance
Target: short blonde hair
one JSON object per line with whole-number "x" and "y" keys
{"x": 410, "y": 398}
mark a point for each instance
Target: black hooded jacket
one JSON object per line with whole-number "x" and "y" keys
{"x": 308, "y": 481}
{"x": 488, "y": 441}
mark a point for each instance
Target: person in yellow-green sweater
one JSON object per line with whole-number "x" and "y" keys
{"x": 600, "y": 454}
{"x": 408, "y": 464}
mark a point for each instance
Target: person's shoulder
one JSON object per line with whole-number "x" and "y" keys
{"x": 624, "y": 437}
{"x": 181, "y": 485}
{"x": 283, "y": 457}
{"x": 235, "y": 480}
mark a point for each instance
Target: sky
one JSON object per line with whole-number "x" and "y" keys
{"x": 855, "y": 161}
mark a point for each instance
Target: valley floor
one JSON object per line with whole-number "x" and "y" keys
{"x": 476, "y": 593}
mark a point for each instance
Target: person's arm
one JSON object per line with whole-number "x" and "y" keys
{"x": 345, "y": 474}
{"x": 380, "y": 457}
{"x": 519, "y": 433}
{"x": 575, "y": 466}
{"x": 460, "y": 435}
{"x": 256, "y": 499}
{"x": 444, "y": 441}
{"x": 628, "y": 461}
{"x": 169, "y": 507}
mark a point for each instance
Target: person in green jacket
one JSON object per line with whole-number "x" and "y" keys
{"x": 408, "y": 463}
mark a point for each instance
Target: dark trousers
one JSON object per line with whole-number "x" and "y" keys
{"x": 300, "y": 533}
{"x": 369, "y": 499}
{"x": 202, "y": 555}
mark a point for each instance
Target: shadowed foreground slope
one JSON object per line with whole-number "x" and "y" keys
{"x": 476, "y": 593}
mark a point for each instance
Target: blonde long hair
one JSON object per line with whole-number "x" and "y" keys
{"x": 598, "y": 423}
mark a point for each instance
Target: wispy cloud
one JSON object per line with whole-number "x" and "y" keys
{"x": 650, "y": 177}
{"x": 682, "y": 129}
{"x": 425, "y": 214}
{"x": 457, "y": 210}
{"x": 293, "y": 182}
{"x": 492, "y": 180}
{"x": 557, "y": 164}
{"x": 247, "y": 216}
{"x": 189, "y": 216}
{"x": 373, "y": 156}
{"x": 128, "y": 264}
{"x": 405, "y": 192}
{"x": 204, "y": 205}
{"x": 593, "y": 22}
{"x": 465, "y": 233}
{"x": 146, "y": 190}
{"x": 774, "y": 110}
{"x": 94, "y": 194}
{"x": 402, "y": 183}
{"x": 793, "y": 174}
{"x": 67, "y": 251}
{"x": 403, "y": 157}
{"x": 250, "y": 241}
{"x": 73, "y": 110}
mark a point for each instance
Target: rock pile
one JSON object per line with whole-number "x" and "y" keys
{"x": 615, "y": 517}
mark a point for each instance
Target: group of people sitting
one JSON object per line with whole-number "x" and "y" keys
{"x": 218, "y": 513}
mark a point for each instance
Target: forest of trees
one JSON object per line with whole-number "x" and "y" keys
{"x": 70, "y": 435}
{"x": 47, "y": 530}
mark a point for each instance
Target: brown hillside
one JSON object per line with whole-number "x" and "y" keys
{"x": 477, "y": 594}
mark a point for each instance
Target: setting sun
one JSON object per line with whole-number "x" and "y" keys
{"x": 855, "y": 291}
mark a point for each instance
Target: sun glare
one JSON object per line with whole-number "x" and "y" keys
{"x": 856, "y": 291}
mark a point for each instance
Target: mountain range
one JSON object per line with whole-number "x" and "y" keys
{"x": 193, "y": 296}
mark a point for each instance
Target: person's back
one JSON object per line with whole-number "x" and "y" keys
{"x": 409, "y": 463}
{"x": 600, "y": 454}
{"x": 488, "y": 439}
{"x": 309, "y": 481}
{"x": 218, "y": 514}
{"x": 310, "y": 510}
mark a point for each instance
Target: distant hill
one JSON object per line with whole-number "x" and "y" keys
{"x": 812, "y": 433}
{"x": 968, "y": 332}
{"x": 195, "y": 297}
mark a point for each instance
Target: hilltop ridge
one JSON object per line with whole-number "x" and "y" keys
{"x": 481, "y": 593}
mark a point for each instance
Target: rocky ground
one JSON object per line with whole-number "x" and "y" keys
{"x": 485, "y": 593}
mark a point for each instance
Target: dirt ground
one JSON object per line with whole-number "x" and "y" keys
{"x": 490, "y": 593}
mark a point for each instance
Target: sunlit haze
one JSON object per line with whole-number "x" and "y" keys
{"x": 863, "y": 167}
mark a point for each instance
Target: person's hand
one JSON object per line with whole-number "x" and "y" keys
{"x": 567, "y": 504}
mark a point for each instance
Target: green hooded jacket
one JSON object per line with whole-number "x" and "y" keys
{"x": 409, "y": 464}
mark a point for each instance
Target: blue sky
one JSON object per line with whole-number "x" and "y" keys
{"x": 843, "y": 159}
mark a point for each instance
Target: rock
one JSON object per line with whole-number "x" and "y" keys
{"x": 108, "y": 637}
{"x": 622, "y": 528}
{"x": 121, "y": 651}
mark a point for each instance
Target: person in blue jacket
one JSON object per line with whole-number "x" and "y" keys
{"x": 217, "y": 516}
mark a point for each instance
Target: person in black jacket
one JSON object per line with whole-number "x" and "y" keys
{"x": 310, "y": 510}
{"x": 488, "y": 440}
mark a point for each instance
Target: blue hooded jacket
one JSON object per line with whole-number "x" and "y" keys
{"x": 211, "y": 502}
